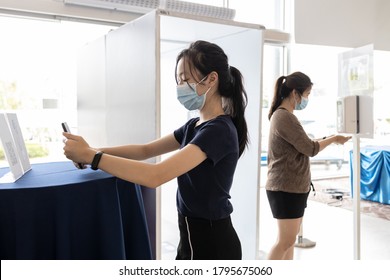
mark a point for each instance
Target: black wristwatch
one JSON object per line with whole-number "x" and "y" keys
{"x": 96, "y": 160}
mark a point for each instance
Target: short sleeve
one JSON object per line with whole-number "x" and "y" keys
{"x": 180, "y": 133}
{"x": 217, "y": 138}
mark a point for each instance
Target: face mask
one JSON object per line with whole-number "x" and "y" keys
{"x": 188, "y": 97}
{"x": 303, "y": 104}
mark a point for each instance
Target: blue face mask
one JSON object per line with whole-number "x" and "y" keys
{"x": 188, "y": 96}
{"x": 303, "y": 104}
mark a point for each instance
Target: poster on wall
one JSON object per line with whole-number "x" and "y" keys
{"x": 14, "y": 148}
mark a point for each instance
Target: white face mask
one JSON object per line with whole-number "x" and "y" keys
{"x": 188, "y": 96}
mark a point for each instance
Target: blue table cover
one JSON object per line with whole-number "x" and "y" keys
{"x": 374, "y": 173}
{"x": 56, "y": 211}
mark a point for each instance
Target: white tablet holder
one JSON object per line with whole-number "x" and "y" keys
{"x": 14, "y": 148}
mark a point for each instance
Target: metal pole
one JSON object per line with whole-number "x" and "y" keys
{"x": 303, "y": 242}
{"x": 356, "y": 196}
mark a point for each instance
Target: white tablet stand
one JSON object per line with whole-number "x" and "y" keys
{"x": 14, "y": 148}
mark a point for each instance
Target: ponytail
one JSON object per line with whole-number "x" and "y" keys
{"x": 239, "y": 102}
{"x": 285, "y": 85}
{"x": 277, "y": 99}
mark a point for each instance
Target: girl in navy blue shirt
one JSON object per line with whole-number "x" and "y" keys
{"x": 208, "y": 150}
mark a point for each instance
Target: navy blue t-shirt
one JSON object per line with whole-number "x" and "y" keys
{"x": 203, "y": 192}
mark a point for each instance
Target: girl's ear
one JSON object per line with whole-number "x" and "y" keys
{"x": 213, "y": 77}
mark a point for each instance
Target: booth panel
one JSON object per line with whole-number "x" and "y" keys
{"x": 131, "y": 82}
{"x": 139, "y": 59}
{"x": 91, "y": 92}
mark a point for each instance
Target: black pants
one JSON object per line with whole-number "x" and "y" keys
{"x": 202, "y": 239}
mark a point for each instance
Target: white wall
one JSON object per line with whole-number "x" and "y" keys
{"x": 343, "y": 23}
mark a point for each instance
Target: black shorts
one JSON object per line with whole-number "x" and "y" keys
{"x": 202, "y": 239}
{"x": 285, "y": 205}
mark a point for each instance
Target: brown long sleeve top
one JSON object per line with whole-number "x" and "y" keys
{"x": 289, "y": 149}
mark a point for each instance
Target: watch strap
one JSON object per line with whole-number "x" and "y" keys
{"x": 96, "y": 160}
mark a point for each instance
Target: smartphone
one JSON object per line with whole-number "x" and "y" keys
{"x": 66, "y": 128}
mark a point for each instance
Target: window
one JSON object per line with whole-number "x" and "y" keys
{"x": 38, "y": 78}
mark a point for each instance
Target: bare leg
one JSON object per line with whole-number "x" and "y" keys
{"x": 290, "y": 253}
{"x": 288, "y": 230}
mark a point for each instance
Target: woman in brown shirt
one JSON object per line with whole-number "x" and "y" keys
{"x": 289, "y": 149}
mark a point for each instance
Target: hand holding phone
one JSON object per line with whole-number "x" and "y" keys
{"x": 66, "y": 128}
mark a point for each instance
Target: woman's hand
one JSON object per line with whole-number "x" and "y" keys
{"x": 77, "y": 149}
{"x": 340, "y": 139}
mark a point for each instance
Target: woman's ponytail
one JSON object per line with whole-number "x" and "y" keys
{"x": 278, "y": 96}
{"x": 239, "y": 103}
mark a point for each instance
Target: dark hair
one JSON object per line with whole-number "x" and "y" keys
{"x": 206, "y": 57}
{"x": 285, "y": 85}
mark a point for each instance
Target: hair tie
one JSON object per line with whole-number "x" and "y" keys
{"x": 232, "y": 79}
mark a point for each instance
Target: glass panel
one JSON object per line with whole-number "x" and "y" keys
{"x": 381, "y": 97}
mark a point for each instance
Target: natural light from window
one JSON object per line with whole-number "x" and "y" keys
{"x": 38, "y": 78}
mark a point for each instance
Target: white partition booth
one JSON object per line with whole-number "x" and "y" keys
{"x": 127, "y": 94}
